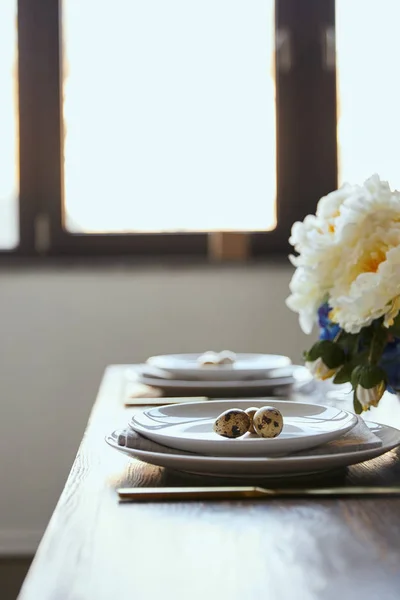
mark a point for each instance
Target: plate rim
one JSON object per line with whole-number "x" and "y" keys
{"x": 217, "y": 383}
{"x": 252, "y": 444}
{"x": 153, "y": 360}
{"x": 284, "y": 403}
{"x": 229, "y": 383}
{"x": 262, "y": 459}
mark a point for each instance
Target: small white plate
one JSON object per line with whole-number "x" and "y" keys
{"x": 189, "y": 427}
{"x": 300, "y": 376}
{"x": 249, "y": 468}
{"x": 183, "y": 366}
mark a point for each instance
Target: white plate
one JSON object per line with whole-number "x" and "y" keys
{"x": 184, "y": 366}
{"x": 248, "y": 468}
{"x": 189, "y": 427}
{"x": 300, "y": 376}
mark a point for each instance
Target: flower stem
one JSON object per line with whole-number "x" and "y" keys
{"x": 378, "y": 344}
{"x": 337, "y": 336}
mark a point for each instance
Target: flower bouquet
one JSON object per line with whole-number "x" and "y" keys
{"x": 347, "y": 280}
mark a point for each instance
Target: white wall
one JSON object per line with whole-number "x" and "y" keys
{"x": 59, "y": 328}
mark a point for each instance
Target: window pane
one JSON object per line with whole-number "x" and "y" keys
{"x": 368, "y": 84}
{"x": 9, "y": 176}
{"x": 169, "y": 115}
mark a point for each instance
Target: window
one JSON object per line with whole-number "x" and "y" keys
{"x": 368, "y": 83}
{"x": 8, "y": 126}
{"x": 145, "y": 125}
{"x": 169, "y": 116}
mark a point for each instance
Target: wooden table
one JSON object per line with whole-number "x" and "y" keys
{"x": 97, "y": 549}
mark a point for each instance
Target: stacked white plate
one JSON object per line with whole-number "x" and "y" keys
{"x": 248, "y": 375}
{"x": 314, "y": 438}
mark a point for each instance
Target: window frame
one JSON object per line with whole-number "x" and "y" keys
{"x": 306, "y": 139}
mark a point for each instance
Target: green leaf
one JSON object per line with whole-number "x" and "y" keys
{"x": 355, "y": 376}
{"x": 348, "y": 342}
{"x": 333, "y": 356}
{"x": 344, "y": 374}
{"x": 366, "y": 334}
{"x": 378, "y": 343}
{"x": 356, "y": 405}
{"x": 361, "y": 358}
{"x": 330, "y": 352}
{"x": 371, "y": 375}
{"x": 315, "y": 351}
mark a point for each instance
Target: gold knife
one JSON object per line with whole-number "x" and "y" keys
{"x": 239, "y": 493}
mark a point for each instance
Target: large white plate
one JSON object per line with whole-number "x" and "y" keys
{"x": 248, "y": 468}
{"x": 189, "y": 427}
{"x": 300, "y": 376}
{"x": 184, "y": 366}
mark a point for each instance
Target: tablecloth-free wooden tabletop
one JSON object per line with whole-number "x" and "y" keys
{"x": 312, "y": 549}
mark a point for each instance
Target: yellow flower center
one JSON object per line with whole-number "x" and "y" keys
{"x": 371, "y": 262}
{"x": 332, "y": 315}
{"x": 368, "y": 261}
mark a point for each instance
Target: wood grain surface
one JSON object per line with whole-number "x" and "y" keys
{"x": 97, "y": 549}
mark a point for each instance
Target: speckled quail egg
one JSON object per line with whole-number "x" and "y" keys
{"x": 232, "y": 423}
{"x": 251, "y": 412}
{"x": 268, "y": 422}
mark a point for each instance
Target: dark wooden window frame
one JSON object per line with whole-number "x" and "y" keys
{"x": 306, "y": 137}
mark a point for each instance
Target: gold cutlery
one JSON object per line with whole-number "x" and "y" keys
{"x": 240, "y": 493}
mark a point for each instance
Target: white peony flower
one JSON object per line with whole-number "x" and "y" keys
{"x": 349, "y": 253}
{"x": 374, "y": 201}
{"x": 319, "y": 256}
{"x": 392, "y": 312}
{"x": 369, "y": 286}
{"x": 328, "y": 208}
{"x": 306, "y": 297}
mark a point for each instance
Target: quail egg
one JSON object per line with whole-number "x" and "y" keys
{"x": 208, "y": 359}
{"x": 268, "y": 422}
{"x": 251, "y": 412}
{"x": 232, "y": 423}
{"x": 226, "y": 357}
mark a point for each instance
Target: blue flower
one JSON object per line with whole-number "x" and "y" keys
{"x": 327, "y": 329}
{"x": 390, "y": 361}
